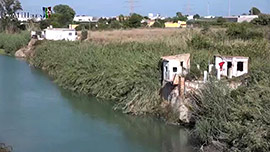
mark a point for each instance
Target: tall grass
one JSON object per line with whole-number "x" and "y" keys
{"x": 129, "y": 73}
{"x": 10, "y": 43}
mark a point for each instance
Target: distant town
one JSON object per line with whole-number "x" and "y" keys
{"x": 26, "y": 16}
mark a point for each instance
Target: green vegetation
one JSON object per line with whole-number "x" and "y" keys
{"x": 84, "y": 35}
{"x": 237, "y": 118}
{"x": 10, "y": 43}
{"x": 8, "y": 21}
{"x": 264, "y": 19}
{"x": 63, "y": 15}
{"x": 254, "y": 11}
{"x": 129, "y": 73}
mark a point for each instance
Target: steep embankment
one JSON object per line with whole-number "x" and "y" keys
{"x": 128, "y": 73}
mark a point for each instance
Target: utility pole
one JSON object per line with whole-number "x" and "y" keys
{"x": 229, "y": 9}
{"x": 131, "y": 5}
{"x": 188, "y": 7}
{"x": 208, "y": 9}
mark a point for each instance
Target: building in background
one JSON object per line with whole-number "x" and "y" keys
{"x": 56, "y": 34}
{"x": 241, "y": 18}
{"x": 26, "y": 16}
{"x": 179, "y": 24}
{"x": 85, "y": 19}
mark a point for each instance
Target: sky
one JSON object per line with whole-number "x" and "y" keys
{"x": 101, "y": 8}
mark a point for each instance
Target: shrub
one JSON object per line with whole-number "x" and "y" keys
{"x": 199, "y": 42}
{"x": 264, "y": 19}
{"x": 84, "y": 35}
{"x": 158, "y": 24}
{"x": 241, "y": 122}
{"x": 243, "y": 31}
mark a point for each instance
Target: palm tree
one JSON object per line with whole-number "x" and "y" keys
{"x": 8, "y": 9}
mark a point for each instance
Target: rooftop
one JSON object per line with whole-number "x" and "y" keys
{"x": 227, "y": 56}
{"x": 60, "y": 29}
{"x": 176, "y": 57}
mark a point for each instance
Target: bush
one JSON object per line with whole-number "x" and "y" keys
{"x": 244, "y": 31}
{"x": 199, "y": 41}
{"x": 264, "y": 19}
{"x": 158, "y": 24}
{"x": 84, "y": 35}
{"x": 241, "y": 122}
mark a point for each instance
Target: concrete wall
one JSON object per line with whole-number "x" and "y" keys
{"x": 51, "y": 34}
{"x": 234, "y": 61}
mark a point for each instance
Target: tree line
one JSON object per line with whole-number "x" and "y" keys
{"x": 63, "y": 15}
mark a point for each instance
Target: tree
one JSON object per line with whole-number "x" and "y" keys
{"x": 254, "y": 11}
{"x": 196, "y": 16}
{"x": 66, "y": 14}
{"x": 9, "y": 21}
{"x": 134, "y": 21}
{"x": 179, "y": 14}
{"x": 159, "y": 24}
{"x": 63, "y": 15}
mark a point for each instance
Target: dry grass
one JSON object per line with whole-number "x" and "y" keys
{"x": 134, "y": 35}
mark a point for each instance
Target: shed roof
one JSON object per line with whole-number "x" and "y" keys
{"x": 230, "y": 57}
{"x": 176, "y": 57}
{"x": 60, "y": 29}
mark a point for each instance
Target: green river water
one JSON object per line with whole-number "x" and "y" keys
{"x": 38, "y": 116}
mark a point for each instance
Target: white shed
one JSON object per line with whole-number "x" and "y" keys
{"x": 60, "y": 34}
{"x": 231, "y": 66}
{"x": 175, "y": 65}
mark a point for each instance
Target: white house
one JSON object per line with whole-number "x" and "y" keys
{"x": 246, "y": 18}
{"x": 241, "y": 18}
{"x": 83, "y": 18}
{"x": 175, "y": 65}
{"x": 231, "y": 66}
{"x": 26, "y": 16}
{"x": 60, "y": 34}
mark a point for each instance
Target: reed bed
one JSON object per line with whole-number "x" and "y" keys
{"x": 10, "y": 43}
{"x": 128, "y": 72}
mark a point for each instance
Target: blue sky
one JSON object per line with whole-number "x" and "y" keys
{"x": 164, "y": 7}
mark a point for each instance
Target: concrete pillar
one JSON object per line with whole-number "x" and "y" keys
{"x": 218, "y": 74}
{"x": 182, "y": 87}
{"x": 205, "y": 75}
{"x": 230, "y": 73}
{"x": 210, "y": 67}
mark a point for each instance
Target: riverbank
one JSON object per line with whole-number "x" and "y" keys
{"x": 128, "y": 72}
{"x": 39, "y": 116}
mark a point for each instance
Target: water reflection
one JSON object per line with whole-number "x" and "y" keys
{"x": 142, "y": 130}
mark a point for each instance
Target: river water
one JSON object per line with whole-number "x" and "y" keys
{"x": 38, "y": 116}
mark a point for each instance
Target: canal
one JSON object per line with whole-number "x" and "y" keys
{"x": 38, "y": 116}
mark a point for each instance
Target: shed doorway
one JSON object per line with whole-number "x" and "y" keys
{"x": 229, "y": 67}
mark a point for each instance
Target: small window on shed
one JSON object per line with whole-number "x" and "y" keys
{"x": 182, "y": 64}
{"x": 174, "y": 69}
{"x": 240, "y": 66}
{"x": 69, "y": 34}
